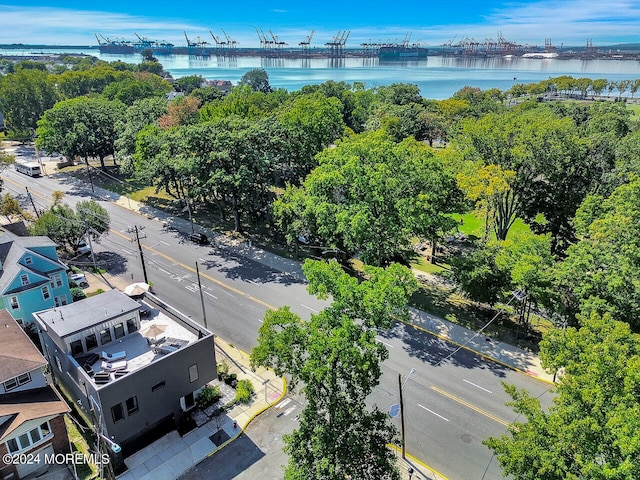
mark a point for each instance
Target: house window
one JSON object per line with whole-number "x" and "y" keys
{"x": 158, "y": 386}
{"x": 132, "y": 405}
{"x": 24, "y": 279}
{"x": 45, "y": 293}
{"x": 62, "y": 300}
{"x": 76, "y": 347}
{"x": 14, "y": 303}
{"x": 27, "y": 440}
{"x": 28, "y": 260}
{"x": 17, "y": 381}
{"x": 117, "y": 413}
{"x": 57, "y": 280}
{"x": 132, "y": 326}
{"x": 193, "y": 373}
{"x": 91, "y": 341}
{"x": 105, "y": 336}
{"x": 118, "y": 330}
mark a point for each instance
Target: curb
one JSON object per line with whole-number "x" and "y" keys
{"x": 419, "y": 462}
{"x": 483, "y": 355}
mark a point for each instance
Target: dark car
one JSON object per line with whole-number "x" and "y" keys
{"x": 200, "y": 238}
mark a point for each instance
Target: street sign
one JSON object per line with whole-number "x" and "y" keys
{"x": 394, "y": 410}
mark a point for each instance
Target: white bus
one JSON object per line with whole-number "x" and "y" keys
{"x": 28, "y": 168}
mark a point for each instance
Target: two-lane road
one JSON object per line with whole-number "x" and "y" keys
{"x": 452, "y": 402}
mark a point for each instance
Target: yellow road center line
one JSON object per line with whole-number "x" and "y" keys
{"x": 470, "y": 406}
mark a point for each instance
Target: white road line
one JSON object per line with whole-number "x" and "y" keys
{"x": 202, "y": 259}
{"x": 165, "y": 271}
{"x": 312, "y": 309}
{"x": 165, "y": 243}
{"x": 385, "y": 343}
{"x": 436, "y": 414}
{"x": 477, "y": 386}
{"x": 190, "y": 288}
{"x": 207, "y": 293}
{"x": 251, "y": 281}
{"x": 127, "y": 251}
{"x": 284, "y": 402}
{"x": 260, "y": 320}
{"x": 289, "y": 410}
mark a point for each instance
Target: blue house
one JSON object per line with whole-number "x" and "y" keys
{"x": 32, "y": 278}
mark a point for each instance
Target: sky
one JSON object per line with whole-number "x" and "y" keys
{"x": 429, "y": 23}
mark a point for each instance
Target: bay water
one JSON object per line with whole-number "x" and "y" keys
{"x": 438, "y": 77}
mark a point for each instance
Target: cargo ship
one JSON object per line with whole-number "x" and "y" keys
{"x": 402, "y": 52}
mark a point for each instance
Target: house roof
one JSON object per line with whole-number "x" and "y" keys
{"x": 78, "y": 316}
{"x": 18, "y": 354}
{"x": 20, "y": 407}
{"x": 12, "y": 249}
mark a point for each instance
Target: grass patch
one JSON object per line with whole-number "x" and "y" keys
{"x": 635, "y": 111}
{"x": 424, "y": 265}
{"x": 85, "y": 471}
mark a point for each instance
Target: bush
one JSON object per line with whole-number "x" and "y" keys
{"x": 244, "y": 391}
{"x": 223, "y": 370}
{"x": 77, "y": 294}
{"x": 208, "y": 395}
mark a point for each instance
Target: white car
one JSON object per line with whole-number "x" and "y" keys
{"x": 83, "y": 249}
{"x": 80, "y": 279}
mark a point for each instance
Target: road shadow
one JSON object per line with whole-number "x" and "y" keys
{"x": 436, "y": 351}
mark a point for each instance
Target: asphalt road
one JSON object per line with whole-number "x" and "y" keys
{"x": 452, "y": 402}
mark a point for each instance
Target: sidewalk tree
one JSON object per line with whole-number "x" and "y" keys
{"x": 592, "y": 430}
{"x": 80, "y": 127}
{"x": 337, "y": 359}
{"x": 140, "y": 114}
{"x": 68, "y": 227}
{"x": 370, "y": 197}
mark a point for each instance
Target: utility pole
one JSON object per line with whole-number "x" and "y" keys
{"x": 204, "y": 313}
{"x": 30, "y": 197}
{"x": 90, "y": 177}
{"x": 144, "y": 268}
{"x": 400, "y": 387}
{"x": 401, "y": 414}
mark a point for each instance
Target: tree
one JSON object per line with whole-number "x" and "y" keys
{"x": 337, "y": 359}
{"x": 307, "y": 125}
{"x": 181, "y": 111}
{"x": 257, "y": 79}
{"x": 140, "y": 114}
{"x": 80, "y": 127}
{"x": 188, "y": 84}
{"x": 68, "y": 228}
{"x": 599, "y": 271}
{"x": 24, "y": 96}
{"x": 227, "y": 160}
{"x": 371, "y": 197}
{"x": 10, "y": 207}
{"x": 592, "y": 430}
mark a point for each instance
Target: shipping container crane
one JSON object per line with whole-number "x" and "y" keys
{"x": 307, "y": 41}
{"x": 230, "y": 41}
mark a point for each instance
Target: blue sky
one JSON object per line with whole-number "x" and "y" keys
{"x": 567, "y": 22}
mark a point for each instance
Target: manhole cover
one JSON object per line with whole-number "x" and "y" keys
{"x": 466, "y": 438}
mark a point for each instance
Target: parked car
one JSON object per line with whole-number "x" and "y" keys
{"x": 80, "y": 279}
{"x": 200, "y": 238}
{"x": 83, "y": 249}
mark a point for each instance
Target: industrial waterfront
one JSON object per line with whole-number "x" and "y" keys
{"x": 438, "y": 77}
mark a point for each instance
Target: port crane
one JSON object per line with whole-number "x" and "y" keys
{"x": 231, "y": 43}
{"x": 307, "y": 41}
{"x": 336, "y": 47}
{"x": 219, "y": 43}
{"x": 277, "y": 42}
{"x": 264, "y": 40}
{"x": 197, "y": 47}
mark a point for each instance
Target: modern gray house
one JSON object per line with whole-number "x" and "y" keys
{"x": 134, "y": 378}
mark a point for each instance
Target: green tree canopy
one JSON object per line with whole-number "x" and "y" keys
{"x": 370, "y": 197}
{"x": 337, "y": 358}
{"x": 257, "y": 79}
{"x": 80, "y": 127}
{"x": 592, "y": 430}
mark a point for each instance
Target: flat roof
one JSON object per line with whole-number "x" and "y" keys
{"x": 159, "y": 336}
{"x": 83, "y": 314}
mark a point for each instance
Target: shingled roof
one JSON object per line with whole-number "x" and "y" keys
{"x": 18, "y": 354}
